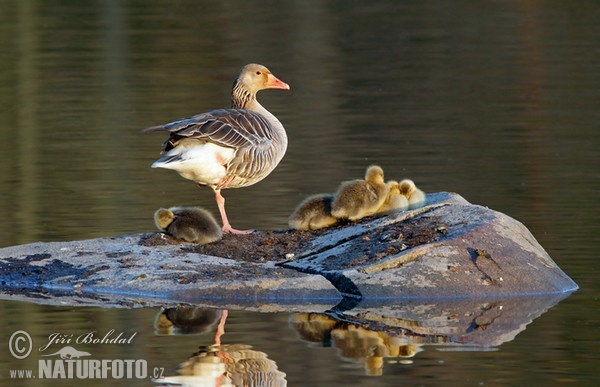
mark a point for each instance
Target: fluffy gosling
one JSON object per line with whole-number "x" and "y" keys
{"x": 313, "y": 213}
{"x": 416, "y": 197}
{"x": 191, "y": 224}
{"x": 356, "y": 199}
{"x": 394, "y": 201}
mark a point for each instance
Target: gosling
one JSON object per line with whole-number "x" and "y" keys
{"x": 191, "y": 224}
{"x": 394, "y": 201}
{"x": 416, "y": 197}
{"x": 313, "y": 213}
{"x": 356, "y": 199}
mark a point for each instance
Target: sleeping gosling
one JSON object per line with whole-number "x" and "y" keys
{"x": 416, "y": 197}
{"x": 192, "y": 224}
{"x": 394, "y": 200}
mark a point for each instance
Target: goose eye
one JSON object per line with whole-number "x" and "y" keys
{"x": 258, "y": 73}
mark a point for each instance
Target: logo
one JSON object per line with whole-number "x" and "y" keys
{"x": 20, "y": 344}
{"x": 71, "y": 363}
{"x": 69, "y": 353}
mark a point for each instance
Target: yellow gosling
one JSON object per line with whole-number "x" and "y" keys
{"x": 394, "y": 200}
{"x": 416, "y": 197}
{"x": 356, "y": 199}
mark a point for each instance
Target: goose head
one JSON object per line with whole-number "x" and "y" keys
{"x": 255, "y": 77}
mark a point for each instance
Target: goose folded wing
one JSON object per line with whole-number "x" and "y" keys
{"x": 233, "y": 128}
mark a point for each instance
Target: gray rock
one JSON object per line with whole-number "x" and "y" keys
{"x": 122, "y": 271}
{"x": 449, "y": 248}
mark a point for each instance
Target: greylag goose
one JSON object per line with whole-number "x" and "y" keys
{"x": 228, "y": 148}
{"x": 394, "y": 200}
{"x": 191, "y": 224}
{"x": 313, "y": 213}
{"x": 356, "y": 199}
{"x": 416, "y": 197}
{"x": 225, "y": 364}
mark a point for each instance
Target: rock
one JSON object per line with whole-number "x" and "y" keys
{"x": 449, "y": 248}
{"x": 123, "y": 271}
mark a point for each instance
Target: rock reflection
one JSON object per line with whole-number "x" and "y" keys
{"x": 373, "y": 332}
{"x": 217, "y": 364}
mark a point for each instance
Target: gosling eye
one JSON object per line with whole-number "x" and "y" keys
{"x": 258, "y": 72}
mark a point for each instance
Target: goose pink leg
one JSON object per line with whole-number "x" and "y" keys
{"x": 226, "y": 226}
{"x": 221, "y": 327}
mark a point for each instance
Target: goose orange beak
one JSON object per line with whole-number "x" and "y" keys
{"x": 274, "y": 83}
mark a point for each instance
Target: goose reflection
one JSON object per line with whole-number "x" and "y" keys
{"x": 354, "y": 341}
{"x": 216, "y": 364}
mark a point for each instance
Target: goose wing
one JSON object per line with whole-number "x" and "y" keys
{"x": 232, "y": 128}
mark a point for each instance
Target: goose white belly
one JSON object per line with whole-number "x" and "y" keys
{"x": 202, "y": 162}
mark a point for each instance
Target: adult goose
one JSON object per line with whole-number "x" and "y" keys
{"x": 228, "y": 148}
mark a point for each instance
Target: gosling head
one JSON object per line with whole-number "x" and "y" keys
{"x": 393, "y": 188}
{"x": 407, "y": 187}
{"x": 374, "y": 174}
{"x": 163, "y": 218}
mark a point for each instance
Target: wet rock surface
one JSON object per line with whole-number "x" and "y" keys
{"x": 449, "y": 248}
{"x": 124, "y": 271}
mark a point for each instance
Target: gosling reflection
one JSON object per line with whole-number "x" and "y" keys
{"x": 216, "y": 364}
{"x": 354, "y": 341}
{"x": 188, "y": 321}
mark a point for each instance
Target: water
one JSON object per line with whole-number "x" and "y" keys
{"x": 497, "y": 101}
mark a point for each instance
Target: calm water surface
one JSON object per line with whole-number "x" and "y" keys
{"x": 497, "y": 101}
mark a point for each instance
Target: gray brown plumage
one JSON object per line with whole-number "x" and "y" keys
{"x": 228, "y": 148}
{"x": 313, "y": 213}
{"x": 191, "y": 224}
{"x": 356, "y": 199}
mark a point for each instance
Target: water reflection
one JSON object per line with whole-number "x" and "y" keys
{"x": 216, "y": 364}
{"x": 188, "y": 320}
{"x": 371, "y": 334}
{"x": 356, "y": 342}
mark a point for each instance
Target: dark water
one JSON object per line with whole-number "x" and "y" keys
{"x": 498, "y": 101}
